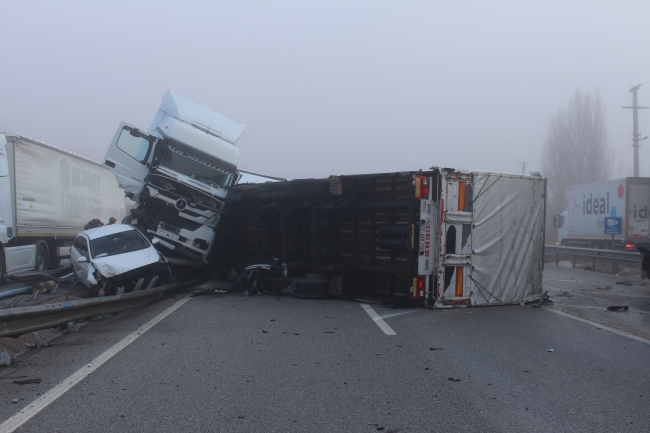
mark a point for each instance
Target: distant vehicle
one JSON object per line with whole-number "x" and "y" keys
{"x": 47, "y": 195}
{"x": 605, "y": 214}
{"x": 178, "y": 172}
{"x": 117, "y": 258}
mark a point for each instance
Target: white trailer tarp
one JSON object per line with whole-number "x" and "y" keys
{"x": 55, "y": 190}
{"x": 507, "y": 238}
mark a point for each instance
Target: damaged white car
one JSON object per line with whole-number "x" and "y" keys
{"x": 117, "y": 258}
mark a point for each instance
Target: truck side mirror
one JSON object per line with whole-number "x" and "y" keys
{"x": 555, "y": 221}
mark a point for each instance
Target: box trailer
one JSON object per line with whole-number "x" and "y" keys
{"x": 608, "y": 214}
{"x": 47, "y": 195}
{"x": 442, "y": 237}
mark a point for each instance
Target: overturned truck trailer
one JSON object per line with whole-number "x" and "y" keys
{"x": 442, "y": 237}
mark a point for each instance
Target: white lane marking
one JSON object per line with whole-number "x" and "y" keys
{"x": 378, "y": 320}
{"x": 599, "y": 325}
{"x": 43, "y": 401}
{"x": 386, "y": 316}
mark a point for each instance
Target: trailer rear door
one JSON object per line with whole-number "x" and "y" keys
{"x": 638, "y": 200}
{"x": 492, "y": 238}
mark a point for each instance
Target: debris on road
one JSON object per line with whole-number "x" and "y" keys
{"x": 15, "y": 400}
{"x": 625, "y": 283}
{"x": 27, "y": 381}
{"x": 435, "y": 348}
{"x": 451, "y": 379}
{"x": 550, "y": 350}
{"x": 5, "y": 358}
{"x": 618, "y": 307}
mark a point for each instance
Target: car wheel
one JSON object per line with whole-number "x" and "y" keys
{"x": 41, "y": 258}
{"x": 310, "y": 289}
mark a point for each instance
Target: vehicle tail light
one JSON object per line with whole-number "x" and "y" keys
{"x": 459, "y": 281}
{"x": 425, "y": 188}
{"x": 418, "y": 186}
{"x": 629, "y": 245}
{"x": 462, "y": 186}
{"x": 419, "y": 285}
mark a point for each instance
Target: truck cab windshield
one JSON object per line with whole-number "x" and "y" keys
{"x": 193, "y": 167}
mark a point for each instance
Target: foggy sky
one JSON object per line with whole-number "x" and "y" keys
{"x": 336, "y": 87}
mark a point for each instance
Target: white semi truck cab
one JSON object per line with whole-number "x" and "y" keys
{"x": 178, "y": 173}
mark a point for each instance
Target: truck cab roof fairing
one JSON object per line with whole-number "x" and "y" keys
{"x": 197, "y": 115}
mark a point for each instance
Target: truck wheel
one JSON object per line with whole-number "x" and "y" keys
{"x": 41, "y": 258}
{"x": 310, "y": 289}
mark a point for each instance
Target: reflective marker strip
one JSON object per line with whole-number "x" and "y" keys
{"x": 378, "y": 320}
{"x": 459, "y": 281}
{"x": 49, "y": 397}
{"x": 461, "y": 196}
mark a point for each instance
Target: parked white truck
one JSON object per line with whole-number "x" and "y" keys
{"x": 178, "y": 173}
{"x": 593, "y": 209}
{"x": 47, "y": 195}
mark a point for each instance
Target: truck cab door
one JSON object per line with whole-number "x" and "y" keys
{"x": 128, "y": 157}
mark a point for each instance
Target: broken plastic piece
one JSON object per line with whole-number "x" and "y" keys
{"x": 451, "y": 379}
{"x": 618, "y": 307}
{"x": 38, "y": 337}
{"x": 5, "y": 358}
{"x": 550, "y": 350}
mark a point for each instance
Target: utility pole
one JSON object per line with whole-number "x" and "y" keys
{"x": 523, "y": 166}
{"x": 635, "y": 126}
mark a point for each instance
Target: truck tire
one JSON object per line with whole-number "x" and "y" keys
{"x": 41, "y": 258}
{"x": 310, "y": 289}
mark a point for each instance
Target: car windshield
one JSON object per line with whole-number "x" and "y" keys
{"x": 118, "y": 243}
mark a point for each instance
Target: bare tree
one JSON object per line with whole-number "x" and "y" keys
{"x": 576, "y": 149}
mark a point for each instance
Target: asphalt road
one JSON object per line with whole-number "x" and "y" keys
{"x": 228, "y": 363}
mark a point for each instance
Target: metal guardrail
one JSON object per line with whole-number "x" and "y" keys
{"x": 21, "y": 320}
{"x": 613, "y": 255}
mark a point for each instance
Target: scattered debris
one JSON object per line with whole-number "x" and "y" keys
{"x": 5, "y": 358}
{"x": 435, "y": 348}
{"x": 15, "y": 400}
{"x": 550, "y": 350}
{"x": 618, "y": 307}
{"x": 604, "y": 288}
{"x": 27, "y": 381}
{"x": 38, "y": 338}
{"x": 625, "y": 283}
{"x": 451, "y": 379}
{"x": 264, "y": 332}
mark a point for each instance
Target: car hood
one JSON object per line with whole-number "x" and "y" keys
{"x": 111, "y": 266}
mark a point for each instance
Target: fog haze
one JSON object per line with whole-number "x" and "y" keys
{"x": 330, "y": 87}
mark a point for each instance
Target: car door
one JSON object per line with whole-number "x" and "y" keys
{"x": 82, "y": 269}
{"x": 128, "y": 157}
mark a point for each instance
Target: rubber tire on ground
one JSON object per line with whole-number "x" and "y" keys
{"x": 41, "y": 258}
{"x": 310, "y": 289}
